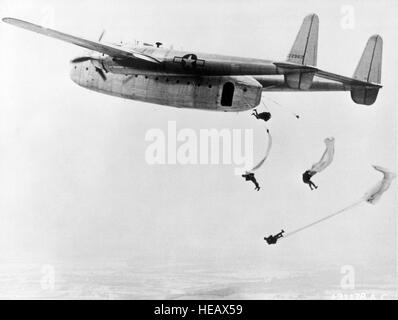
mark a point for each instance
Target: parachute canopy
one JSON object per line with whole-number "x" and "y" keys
{"x": 327, "y": 156}
{"x": 267, "y": 152}
{"x": 374, "y": 194}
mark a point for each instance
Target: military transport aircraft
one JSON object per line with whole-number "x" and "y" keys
{"x": 154, "y": 74}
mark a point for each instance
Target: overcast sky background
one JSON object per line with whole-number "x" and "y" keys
{"x": 74, "y": 184}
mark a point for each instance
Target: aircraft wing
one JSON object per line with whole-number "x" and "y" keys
{"x": 288, "y": 67}
{"x": 110, "y": 50}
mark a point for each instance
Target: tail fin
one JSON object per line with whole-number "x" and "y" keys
{"x": 305, "y": 47}
{"x": 304, "y": 52}
{"x": 369, "y": 67}
{"x": 369, "y": 70}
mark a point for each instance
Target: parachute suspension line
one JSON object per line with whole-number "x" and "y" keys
{"x": 249, "y": 107}
{"x": 265, "y": 106}
{"x": 325, "y": 218}
{"x": 292, "y": 113}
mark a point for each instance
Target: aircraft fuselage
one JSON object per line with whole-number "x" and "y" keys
{"x": 187, "y": 80}
{"x": 217, "y": 93}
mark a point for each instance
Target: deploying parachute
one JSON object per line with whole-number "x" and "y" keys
{"x": 267, "y": 152}
{"x": 327, "y": 157}
{"x": 374, "y": 194}
{"x": 249, "y": 175}
{"x": 325, "y": 161}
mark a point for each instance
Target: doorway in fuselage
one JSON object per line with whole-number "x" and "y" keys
{"x": 227, "y": 95}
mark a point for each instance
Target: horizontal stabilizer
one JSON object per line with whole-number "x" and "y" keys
{"x": 287, "y": 67}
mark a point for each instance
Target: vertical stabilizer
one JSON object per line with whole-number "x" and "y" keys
{"x": 305, "y": 47}
{"x": 304, "y": 52}
{"x": 369, "y": 70}
{"x": 369, "y": 67}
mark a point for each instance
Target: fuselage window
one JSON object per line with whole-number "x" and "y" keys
{"x": 227, "y": 94}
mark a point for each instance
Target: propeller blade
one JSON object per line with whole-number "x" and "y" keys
{"x": 101, "y": 73}
{"x": 102, "y": 34}
{"x": 81, "y": 59}
{"x": 94, "y": 62}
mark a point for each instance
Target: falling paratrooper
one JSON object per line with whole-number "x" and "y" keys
{"x": 249, "y": 175}
{"x": 321, "y": 165}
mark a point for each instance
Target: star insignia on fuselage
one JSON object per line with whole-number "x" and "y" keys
{"x": 189, "y": 61}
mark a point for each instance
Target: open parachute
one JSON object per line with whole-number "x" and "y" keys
{"x": 267, "y": 152}
{"x": 374, "y": 194}
{"x": 327, "y": 157}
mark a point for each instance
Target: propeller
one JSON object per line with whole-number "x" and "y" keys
{"x": 94, "y": 60}
{"x": 96, "y": 63}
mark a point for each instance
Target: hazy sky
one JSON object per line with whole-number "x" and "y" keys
{"x": 74, "y": 183}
